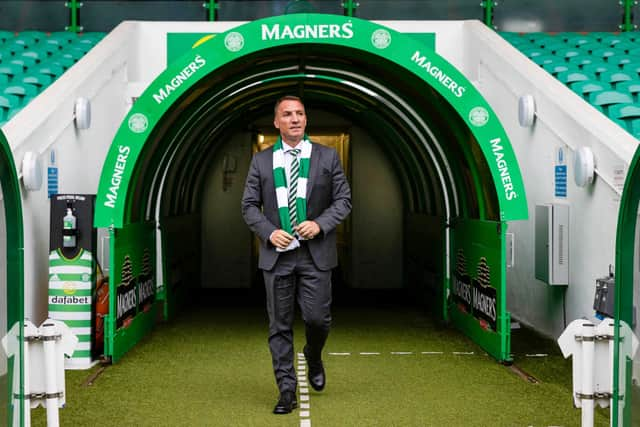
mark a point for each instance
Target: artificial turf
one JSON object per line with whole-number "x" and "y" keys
{"x": 211, "y": 367}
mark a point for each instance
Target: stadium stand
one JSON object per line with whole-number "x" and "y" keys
{"x": 31, "y": 60}
{"x": 603, "y": 68}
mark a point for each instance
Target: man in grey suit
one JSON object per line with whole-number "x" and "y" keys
{"x": 295, "y": 195}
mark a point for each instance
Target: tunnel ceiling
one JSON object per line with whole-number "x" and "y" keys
{"x": 442, "y": 166}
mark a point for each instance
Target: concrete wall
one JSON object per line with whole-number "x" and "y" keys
{"x": 563, "y": 120}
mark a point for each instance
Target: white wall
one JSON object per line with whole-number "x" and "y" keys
{"x": 502, "y": 74}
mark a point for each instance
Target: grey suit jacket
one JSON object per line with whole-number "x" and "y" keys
{"x": 328, "y": 204}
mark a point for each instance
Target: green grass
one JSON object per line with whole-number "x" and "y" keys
{"x": 211, "y": 367}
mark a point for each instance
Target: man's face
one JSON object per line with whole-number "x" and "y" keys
{"x": 291, "y": 120}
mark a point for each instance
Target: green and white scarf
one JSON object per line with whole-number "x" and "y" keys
{"x": 280, "y": 180}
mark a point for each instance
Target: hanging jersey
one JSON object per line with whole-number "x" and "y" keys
{"x": 70, "y": 299}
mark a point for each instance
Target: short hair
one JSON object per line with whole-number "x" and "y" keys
{"x": 286, "y": 98}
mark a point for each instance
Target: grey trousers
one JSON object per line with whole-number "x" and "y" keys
{"x": 296, "y": 278}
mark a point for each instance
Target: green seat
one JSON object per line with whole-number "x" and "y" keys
{"x": 624, "y": 111}
{"x": 14, "y": 48}
{"x": 6, "y": 35}
{"x": 546, "y": 59}
{"x": 619, "y": 60}
{"x": 65, "y": 37}
{"x": 631, "y": 36}
{"x": 74, "y": 54}
{"x": 559, "y": 67}
{"x": 39, "y": 55}
{"x": 632, "y": 67}
{"x": 537, "y": 37}
{"x": 599, "y": 35}
{"x": 597, "y": 68}
{"x": 36, "y": 36}
{"x": 603, "y": 52}
{"x": 588, "y": 48}
{"x": 49, "y": 69}
{"x": 586, "y": 87}
{"x": 21, "y": 90}
{"x": 611, "y": 40}
{"x": 50, "y": 49}
{"x": 572, "y": 76}
{"x": 582, "y": 60}
{"x": 607, "y": 98}
{"x": 615, "y": 77}
{"x": 4, "y": 79}
{"x": 39, "y": 80}
{"x": 26, "y": 41}
{"x": 24, "y": 62}
{"x": 568, "y": 52}
{"x": 625, "y": 46}
{"x": 61, "y": 61}
{"x": 635, "y": 51}
{"x": 9, "y": 101}
{"x": 10, "y": 70}
{"x": 631, "y": 87}
{"x": 578, "y": 40}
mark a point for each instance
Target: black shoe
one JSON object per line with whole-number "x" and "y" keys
{"x": 316, "y": 373}
{"x": 286, "y": 403}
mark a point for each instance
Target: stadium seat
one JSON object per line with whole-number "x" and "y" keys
{"x": 615, "y": 77}
{"x": 634, "y": 127}
{"x": 20, "y": 90}
{"x": 39, "y": 80}
{"x": 611, "y": 40}
{"x": 24, "y": 62}
{"x": 619, "y": 59}
{"x": 9, "y": 101}
{"x": 14, "y": 48}
{"x": 36, "y": 36}
{"x": 52, "y": 70}
{"x": 572, "y": 76}
{"x": 577, "y": 40}
{"x": 10, "y": 70}
{"x": 6, "y": 35}
{"x": 634, "y": 52}
{"x": 631, "y": 87}
{"x": 582, "y": 60}
{"x": 588, "y": 48}
{"x": 568, "y": 52}
{"x": 61, "y": 61}
{"x": 603, "y": 52}
{"x": 4, "y": 79}
{"x": 36, "y": 53}
{"x": 559, "y": 67}
{"x": 546, "y": 59}
{"x": 597, "y": 68}
{"x": 607, "y": 98}
{"x": 632, "y": 67}
{"x": 624, "y": 111}
{"x": 586, "y": 87}
{"x": 65, "y": 37}
{"x": 533, "y": 51}
{"x": 26, "y": 40}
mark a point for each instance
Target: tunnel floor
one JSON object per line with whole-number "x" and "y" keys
{"x": 387, "y": 365}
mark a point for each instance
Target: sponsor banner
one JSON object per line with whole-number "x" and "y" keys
{"x": 134, "y": 273}
{"x": 476, "y": 302}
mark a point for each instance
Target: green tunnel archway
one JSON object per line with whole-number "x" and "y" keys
{"x": 626, "y": 253}
{"x": 372, "y": 74}
{"x": 10, "y": 191}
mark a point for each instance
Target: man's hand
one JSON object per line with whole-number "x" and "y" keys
{"x": 280, "y": 239}
{"x": 308, "y": 229}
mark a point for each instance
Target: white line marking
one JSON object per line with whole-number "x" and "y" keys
{"x": 339, "y": 354}
{"x": 432, "y": 352}
{"x": 304, "y": 414}
{"x": 300, "y": 355}
{"x": 304, "y": 397}
{"x": 304, "y": 390}
{"x": 302, "y": 383}
{"x": 537, "y": 355}
{"x": 305, "y": 423}
{"x": 463, "y": 353}
{"x": 402, "y": 352}
{"x": 369, "y": 354}
{"x": 305, "y": 405}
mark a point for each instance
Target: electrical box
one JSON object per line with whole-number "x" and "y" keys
{"x": 604, "y": 301}
{"x": 552, "y": 244}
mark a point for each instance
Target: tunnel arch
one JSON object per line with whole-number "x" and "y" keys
{"x": 454, "y": 159}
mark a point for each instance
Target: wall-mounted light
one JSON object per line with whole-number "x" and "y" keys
{"x": 82, "y": 111}
{"x": 526, "y": 110}
{"x": 584, "y": 166}
{"x": 31, "y": 171}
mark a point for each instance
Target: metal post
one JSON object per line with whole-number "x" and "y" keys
{"x": 74, "y": 16}
{"x": 488, "y": 6}
{"x": 212, "y": 10}
{"x": 627, "y": 15}
{"x": 350, "y": 7}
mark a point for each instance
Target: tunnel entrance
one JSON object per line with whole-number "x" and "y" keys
{"x": 432, "y": 171}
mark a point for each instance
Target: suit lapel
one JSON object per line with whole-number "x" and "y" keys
{"x": 314, "y": 167}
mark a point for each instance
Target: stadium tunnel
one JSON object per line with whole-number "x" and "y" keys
{"x": 457, "y": 182}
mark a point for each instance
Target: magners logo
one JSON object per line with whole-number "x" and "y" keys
{"x": 315, "y": 31}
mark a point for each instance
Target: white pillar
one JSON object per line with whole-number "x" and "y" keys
{"x": 588, "y": 355}
{"x": 50, "y": 334}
